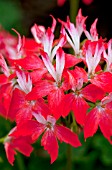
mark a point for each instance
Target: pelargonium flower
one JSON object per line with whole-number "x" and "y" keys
{"x": 100, "y": 116}
{"x": 52, "y": 132}
{"x": 21, "y": 144}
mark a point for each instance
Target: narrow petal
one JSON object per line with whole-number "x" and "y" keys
{"x": 60, "y": 43}
{"x": 48, "y": 64}
{"x": 38, "y": 32}
{"x": 66, "y": 135}
{"x": 4, "y": 66}
{"x": 24, "y": 81}
{"x": 60, "y": 63}
{"x": 50, "y": 144}
{"x": 53, "y": 24}
{"x": 48, "y": 41}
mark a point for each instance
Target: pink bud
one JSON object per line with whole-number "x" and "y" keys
{"x": 60, "y": 2}
{"x": 87, "y": 2}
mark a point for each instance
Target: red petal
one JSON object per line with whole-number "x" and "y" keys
{"x": 66, "y": 104}
{"x": 92, "y": 92}
{"x": 104, "y": 81}
{"x": 9, "y": 153}
{"x": 29, "y": 63}
{"x": 80, "y": 107}
{"x": 29, "y": 128}
{"x": 50, "y": 144}
{"x": 91, "y": 124}
{"x": 71, "y": 60}
{"x": 24, "y": 114}
{"x": 54, "y": 99}
{"x": 106, "y": 124}
{"x": 66, "y": 135}
{"x": 17, "y": 101}
{"x": 5, "y": 96}
{"x": 22, "y": 145}
{"x": 41, "y": 89}
{"x": 37, "y": 75}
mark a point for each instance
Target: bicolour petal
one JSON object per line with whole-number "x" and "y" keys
{"x": 91, "y": 123}
{"x": 4, "y": 66}
{"x": 60, "y": 63}
{"x": 80, "y": 22}
{"x": 66, "y": 135}
{"x": 48, "y": 64}
{"x": 53, "y": 24}
{"x": 59, "y": 43}
{"x": 24, "y": 81}
{"x": 38, "y": 32}
{"x": 93, "y": 35}
{"x": 50, "y": 144}
{"x": 93, "y": 30}
{"x": 48, "y": 41}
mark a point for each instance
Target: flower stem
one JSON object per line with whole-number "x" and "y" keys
{"x": 2, "y": 139}
{"x": 69, "y": 158}
{"x": 74, "y": 5}
{"x": 20, "y": 162}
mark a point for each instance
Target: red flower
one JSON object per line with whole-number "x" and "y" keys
{"x": 100, "y": 116}
{"x": 52, "y": 132}
{"x": 53, "y": 87}
{"x": 21, "y": 144}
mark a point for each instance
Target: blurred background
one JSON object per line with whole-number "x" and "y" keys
{"x": 96, "y": 152}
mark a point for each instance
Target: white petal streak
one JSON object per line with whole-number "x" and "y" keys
{"x": 24, "y": 82}
{"x": 39, "y": 118}
{"x": 48, "y": 64}
{"x": 60, "y": 63}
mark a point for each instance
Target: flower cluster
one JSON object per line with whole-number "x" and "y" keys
{"x": 43, "y": 85}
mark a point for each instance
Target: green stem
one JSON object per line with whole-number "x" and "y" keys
{"x": 69, "y": 158}
{"x": 20, "y": 162}
{"x": 2, "y": 139}
{"x": 74, "y": 5}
